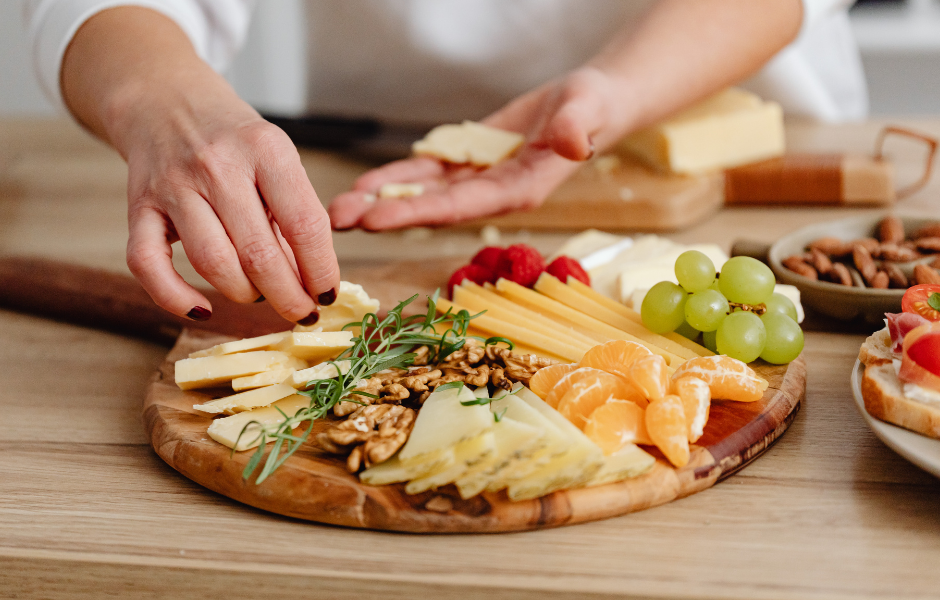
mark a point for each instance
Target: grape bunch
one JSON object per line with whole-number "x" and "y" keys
{"x": 737, "y": 312}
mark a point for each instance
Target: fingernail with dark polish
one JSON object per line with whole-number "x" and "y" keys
{"x": 260, "y": 299}
{"x": 327, "y": 298}
{"x": 592, "y": 148}
{"x": 310, "y": 319}
{"x": 199, "y": 314}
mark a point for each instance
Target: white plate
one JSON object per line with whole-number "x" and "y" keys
{"x": 919, "y": 449}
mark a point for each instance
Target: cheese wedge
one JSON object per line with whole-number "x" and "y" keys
{"x": 327, "y": 370}
{"x": 513, "y": 442}
{"x": 210, "y": 371}
{"x": 466, "y": 453}
{"x": 256, "y": 398}
{"x": 227, "y": 429}
{"x": 630, "y": 461}
{"x": 315, "y": 346}
{"x": 351, "y": 305}
{"x": 263, "y": 342}
{"x": 394, "y": 471}
{"x": 443, "y": 422}
{"x": 469, "y": 142}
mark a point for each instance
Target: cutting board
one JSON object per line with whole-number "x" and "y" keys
{"x": 315, "y": 486}
{"x": 615, "y": 192}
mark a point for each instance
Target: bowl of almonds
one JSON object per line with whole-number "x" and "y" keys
{"x": 860, "y": 266}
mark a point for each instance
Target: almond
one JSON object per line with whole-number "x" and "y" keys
{"x": 931, "y": 230}
{"x": 820, "y": 261}
{"x": 870, "y": 244}
{"x": 896, "y": 277}
{"x": 891, "y": 230}
{"x": 832, "y": 247}
{"x": 895, "y": 253}
{"x": 840, "y": 274}
{"x": 929, "y": 244}
{"x": 880, "y": 281}
{"x": 925, "y": 274}
{"x": 795, "y": 263}
{"x": 864, "y": 262}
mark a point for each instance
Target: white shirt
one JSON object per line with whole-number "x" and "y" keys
{"x": 436, "y": 61}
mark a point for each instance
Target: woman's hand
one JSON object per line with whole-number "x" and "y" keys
{"x": 204, "y": 168}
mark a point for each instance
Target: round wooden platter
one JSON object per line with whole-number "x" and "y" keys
{"x": 314, "y": 485}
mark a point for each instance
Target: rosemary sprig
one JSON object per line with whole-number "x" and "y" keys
{"x": 380, "y": 345}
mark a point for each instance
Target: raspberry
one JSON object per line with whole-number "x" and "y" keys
{"x": 474, "y": 273}
{"x": 563, "y": 266}
{"x": 520, "y": 263}
{"x": 487, "y": 257}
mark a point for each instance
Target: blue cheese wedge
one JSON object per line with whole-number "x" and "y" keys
{"x": 443, "y": 422}
{"x": 210, "y": 371}
{"x": 630, "y": 461}
{"x": 226, "y": 430}
{"x": 316, "y": 346}
{"x": 256, "y": 398}
{"x": 466, "y": 454}
{"x": 394, "y": 471}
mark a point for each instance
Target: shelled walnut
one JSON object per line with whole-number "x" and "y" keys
{"x": 371, "y": 435}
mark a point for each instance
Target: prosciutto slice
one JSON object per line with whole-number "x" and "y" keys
{"x": 899, "y": 325}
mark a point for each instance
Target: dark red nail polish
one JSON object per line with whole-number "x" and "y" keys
{"x": 592, "y": 149}
{"x": 199, "y": 314}
{"x": 260, "y": 299}
{"x": 327, "y": 298}
{"x": 310, "y": 319}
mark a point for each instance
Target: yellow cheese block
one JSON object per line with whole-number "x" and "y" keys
{"x": 241, "y": 384}
{"x": 300, "y": 379}
{"x": 256, "y": 398}
{"x": 351, "y": 305}
{"x": 264, "y": 342}
{"x": 731, "y": 128}
{"x": 567, "y": 349}
{"x": 209, "y": 371}
{"x": 443, "y": 422}
{"x": 227, "y": 429}
{"x": 316, "y": 346}
{"x": 469, "y": 142}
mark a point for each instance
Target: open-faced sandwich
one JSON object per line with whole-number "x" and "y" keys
{"x": 901, "y": 384}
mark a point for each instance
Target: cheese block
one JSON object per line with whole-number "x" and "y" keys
{"x": 264, "y": 342}
{"x": 351, "y": 305}
{"x": 209, "y": 371}
{"x": 316, "y": 346}
{"x": 396, "y": 191}
{"x": 443, "y": 422}
{"x": 256, "y": 398}
{"x": 394, "y": 471}
{"x": 327, "y": 370}
{"x": 728, "y": 129}
{"x": 241, "y": 384}
{"x": 227, "y": 429}
{"x": 629, "y": 461}
{"x": 513, "y": 442}
{"x": 469, "y": 142}
{"x": 466, "y": 454}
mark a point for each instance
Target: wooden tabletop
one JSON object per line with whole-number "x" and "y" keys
{"x": 87, "y": 509}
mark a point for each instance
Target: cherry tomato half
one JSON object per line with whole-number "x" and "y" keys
{"x": 923, "y": 300}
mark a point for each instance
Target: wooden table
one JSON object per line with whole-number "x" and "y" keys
{"x": 88, "y": 510}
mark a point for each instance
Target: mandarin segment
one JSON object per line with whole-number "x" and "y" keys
{"x": 616, "y": 356}
{"x": 728, "y": 378}
{"x": 618, "y": 423}
{"x": 586, "y": 396}
{"x": 546, "y": 378}
{"x": 650, "y": 375}
{"x": 696, "y": 399}
{"x": 665, "y": 422}
{"x": 568, "y": 381}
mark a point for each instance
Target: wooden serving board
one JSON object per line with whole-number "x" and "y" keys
{"x": 314, "y": 485}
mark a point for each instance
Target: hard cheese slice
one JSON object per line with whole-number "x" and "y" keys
{"x": 629, "y": 461}
{"x": 351, "y": 305}
{"x": 227, "y": 429}
{"x": 263, "y": 342}
{"x": 469, "y": 142}
{"x": 394, "y": 471}
{"x": 241, "y": 384}
{"x": 466, "y": 453}
{"x": 302, "y": 379}
{"x": 316, "y": 346}
{"x": 443, "y": 422}
{"x": 257, "y": 398}
{"x": 209, "y": 371}
{"x": 513, "y": 442}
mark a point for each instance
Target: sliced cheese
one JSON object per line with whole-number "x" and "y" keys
{"x": 241, "y": 384}
{"x": 257, "y": 398}
{"x": 728, "y": 129}
{"x": 469, "y": 142}
{"x": 513, "y": 442}
{"x": 264, "y": 342}
{"x": 394, "y": 471}
{"x": 316, "y": 346}
{"x": 443, "y": 422}
{"x": 630, "y": 461}
{"x": 227, "y": 429}
{"x": 351, "y": 305}
{"x": 466, "y": 453}
{"x": 209, "y": 371}
{"x": 397, "y": 191}
{"x": 302, "y": 379}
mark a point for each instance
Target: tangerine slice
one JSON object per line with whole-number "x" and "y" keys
{"x": 696, "y": 400}
{"x": 545, "y": 378}
{"x": 585, "y": 396}
{"x": 617, "y": 424}
{"x": 651, "y": 376}
{"x": 665, "y": 422}
{"x": 567, "y": 382}
{"x": 616, "y": 356}
{"x": 728, "y": 378}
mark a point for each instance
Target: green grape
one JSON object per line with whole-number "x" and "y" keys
{"x": 706, "y": 310}
{"x": 746, "y": 280}
{"x": 784, "y": 338}
{"x": 663, "y": 308}
{"x": 708, "y": 340}
{"x": 779, "y": 303}
{"x": 741, "y": 335}
{"x": 695, "y": 271}
{"x": 688, "y": 331}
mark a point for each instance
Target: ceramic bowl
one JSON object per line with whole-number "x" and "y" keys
{"x": 838, "y": 301}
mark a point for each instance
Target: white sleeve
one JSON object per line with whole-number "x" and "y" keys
{"x": 216, "y": 28}
{"x": 816, "y": 10}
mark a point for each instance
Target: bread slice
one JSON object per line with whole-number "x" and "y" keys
{"x": 877, "y": 349}
{"x": 884, "y": 398}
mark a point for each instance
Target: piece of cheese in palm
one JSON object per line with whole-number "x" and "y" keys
{"x": 210, "y": 371}
{"x": 553, "y": 288}
{"x": 476, "y": 297}
{"x": 316, "y": 347}
{"x": 543, "y": 303}
{"x": 262, "y": 342}
{"x": 397, "y": 191}
{"x": 727, "y": 129}
{"x": 466, "y": 454}
{"x": 394, "y": 471}
{"x": 568, "y": 349}
{"x": 250, "y": 400}
{"x": 351, "y": 305}
{"x": 626, "y": 311}
{"x": 443, "y": 422}
{"x": 513, "y": 442}
{"x": 327, "y": 370}
{"x": 469, "y": 142}
{"x": 227, "y": 430}
{"x": 630, "y": 461}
